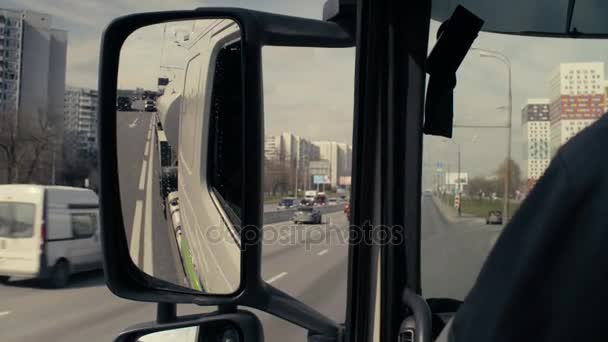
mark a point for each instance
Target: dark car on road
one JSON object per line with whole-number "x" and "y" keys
{"x": 286, "y": 203}
{"x": 494, "y": 217}
{"x": 307, "y": 215}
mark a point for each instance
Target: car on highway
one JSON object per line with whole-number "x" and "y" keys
{"x": 307, "y": 215}
{"x": 320, "y": 200}
{"x": 150, "y": 106}
{"x": 494, "y": 217}
{"x": 48, "y": 232}
{"x": 286, "y": 203}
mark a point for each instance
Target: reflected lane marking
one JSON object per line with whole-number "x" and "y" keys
{"x": 322, "y": 252}
{"x": 136, "y": 233}
{"x": 134, "y": 123}
{"x": 277, "y": 277}
{"x": 142, "y": 175}
{"x": 148, "y": 263}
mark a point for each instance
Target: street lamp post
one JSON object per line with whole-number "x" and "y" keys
{"x": 507, "y": 182}
{"x": 458, "y": 177}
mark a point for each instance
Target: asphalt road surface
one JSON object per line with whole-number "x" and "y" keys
{"x": 151, "y": 240}
{"x": 307, "y": 261}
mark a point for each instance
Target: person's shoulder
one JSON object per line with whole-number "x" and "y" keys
{"x": 592, "y": 138}
{"x": 586, "y": 151}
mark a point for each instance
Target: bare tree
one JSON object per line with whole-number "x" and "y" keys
{"x": 24, "y": 149}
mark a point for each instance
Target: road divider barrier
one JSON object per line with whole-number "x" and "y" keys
{"x": 287, "y": 214}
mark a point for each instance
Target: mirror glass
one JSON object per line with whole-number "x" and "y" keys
{"x": 189, "y": 334}
{"x": 179, "y": 151}
{"x": 221, "y": 330}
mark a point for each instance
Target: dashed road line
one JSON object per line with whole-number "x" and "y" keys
{"x": 322, "y": 252}
{"x": 277, "y": 277}
{"x": 136, "y": 233}
{"x": 4, "y": 313}
{"x": 147, "y": 228}
{"x": 147, "y": 148}
{"x": 142, "y": 175}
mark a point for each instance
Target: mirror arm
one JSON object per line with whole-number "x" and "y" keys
{"x": 166, "y": 313}
{"x": 320, "y": 328}
{"x": 227, "y": 308}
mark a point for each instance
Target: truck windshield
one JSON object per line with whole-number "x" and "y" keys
{"x": 16, "y": 219}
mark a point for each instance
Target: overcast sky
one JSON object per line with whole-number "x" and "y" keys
{"x": 309, "y": 91}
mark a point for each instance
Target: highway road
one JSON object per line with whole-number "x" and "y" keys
{"x": 151, "y": 241}
{"x": 296, "y": 259}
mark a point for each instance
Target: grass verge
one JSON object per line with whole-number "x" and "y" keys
{"x": 480, "y": 208}
{"x": 189, "y": 266}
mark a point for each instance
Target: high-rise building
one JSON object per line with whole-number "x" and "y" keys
{"x": 329, "y": 150}
{"x": 11, "y": 33}
{"x": 577, "y": 99}
{"x": 293, "y": 155}
{"x": 80, "y": 124}
{"x": 32, "y": 85}
{"x": 339, "y": 156}
{"x": 536, "y": 131}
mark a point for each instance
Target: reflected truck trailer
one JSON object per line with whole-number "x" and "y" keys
{"x": 167, "y": 137}
{"x": 184, "y": 135}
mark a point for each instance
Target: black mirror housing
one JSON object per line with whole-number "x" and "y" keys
{"x": 257, "y": 29}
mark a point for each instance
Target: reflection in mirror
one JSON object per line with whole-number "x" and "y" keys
{"x": 189, "y": 334}
{"x": 178, "y": 109}
{"x": 221, "y": 330}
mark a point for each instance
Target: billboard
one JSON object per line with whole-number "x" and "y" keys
{"x": 451, "y": 178}
{"x": 344, "y": 180}
{"x": 320, "y": 179}
{"x": 319, "y": 167}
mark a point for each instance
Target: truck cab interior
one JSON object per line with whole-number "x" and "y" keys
{"x": 544, "y": 276}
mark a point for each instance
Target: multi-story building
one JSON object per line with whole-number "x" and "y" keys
{"x": 80, "y": 124}
{"x": 293, "y": 154}
{"x": 32, "y": 85}
{"x": 339, "y": 156}
{"x": 536, "y": 131}
{"x": 11, "y": 32}
{"x": 577, "y": 97}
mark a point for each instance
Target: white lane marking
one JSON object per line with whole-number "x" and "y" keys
{"x": 150, "y": 132}
{"x": 148, "y": 253}
{"x": 147, "y": 148}
{"x": 142, "y": 175}
{"x": 136, "y": 233}
{"x": 134, "y": 123}
{"x": 277, "y": 277}
{"x": 4, "y": 313}
{"x": 322, "y": 252}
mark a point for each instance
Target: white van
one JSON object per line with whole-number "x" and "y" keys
{"x": 48, "y": 232}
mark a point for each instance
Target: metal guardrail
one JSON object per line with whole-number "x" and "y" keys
{"x": 287, "y": 214}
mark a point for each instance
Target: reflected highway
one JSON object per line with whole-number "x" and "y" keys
{"x": 299, "y": 260}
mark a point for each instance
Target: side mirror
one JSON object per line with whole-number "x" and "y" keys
{"x": 181, "y": 184}
{"x": 239, "y": 326}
